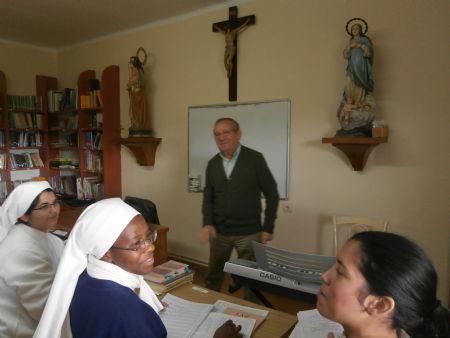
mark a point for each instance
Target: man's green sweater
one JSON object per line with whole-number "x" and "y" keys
{"x": 233, "y": 205}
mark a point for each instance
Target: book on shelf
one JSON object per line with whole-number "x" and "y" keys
{"x": 98, "y": 98}
{"x": 69, "y": 99}
{"x": 37, "y": 160}
{"x": 93, "y": 162}
{"x": 54, "y": 100}
{"x": 85, "y": 101}
{"x": 63, "y": 120}
{"x": 95, "y": 120}
{"x": 24, "y": 102}
{"x": 19, "y": 161}
{"x": 93, "y": 140}
{"x": 79, "y": 188}
{"x": 64, "y": 163}
{"x": 91, "y": 101}
{"x": 2, "y": 160}
{"x": 92, "y": 187}
{"x": 59, "y": 100}
{"x": 26, "y": 160}
{"x": 184, "y": 318}
{"x": 3, "y": 191}
{"x": 64, "y": 185}
{"x": 167, "y": 272}
{"x": 22, "y": 120}
{"x": 25, "y": 139}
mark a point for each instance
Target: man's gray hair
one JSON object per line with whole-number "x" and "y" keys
{"x": 235, "y": 124}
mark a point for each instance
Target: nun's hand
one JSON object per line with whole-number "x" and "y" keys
{"x": 228, "y": 330}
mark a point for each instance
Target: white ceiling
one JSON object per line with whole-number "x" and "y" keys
{"x": 62, "y": 23}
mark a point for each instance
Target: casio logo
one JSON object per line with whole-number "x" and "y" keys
{"x": 270, "y": 276}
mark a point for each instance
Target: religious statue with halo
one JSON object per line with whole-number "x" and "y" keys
{"x": 357, "y": 108}
{"x": 139, "y": 115}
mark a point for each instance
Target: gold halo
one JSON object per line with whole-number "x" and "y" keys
{"x": 361, "y": 21}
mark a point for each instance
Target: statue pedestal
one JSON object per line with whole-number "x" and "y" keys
{"x": 143, "y": 148}
{"x": 357, "y": 149}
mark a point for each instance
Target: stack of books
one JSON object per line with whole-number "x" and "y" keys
{"x": 168, "y": 276}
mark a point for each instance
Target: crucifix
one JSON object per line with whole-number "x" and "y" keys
{"x": 231, "y": 28}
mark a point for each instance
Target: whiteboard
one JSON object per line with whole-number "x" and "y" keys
{"x": 265, "y": 127}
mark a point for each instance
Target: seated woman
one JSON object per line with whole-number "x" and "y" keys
{"x": 29, "y": 256}
{"x": 383, "y": 285}
{"x": 99, "y": 280}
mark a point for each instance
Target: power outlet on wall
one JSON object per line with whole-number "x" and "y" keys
{"x": 287, "y": 208}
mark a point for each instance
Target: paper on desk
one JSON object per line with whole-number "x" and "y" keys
{"x": 182, "y": 317}
{"x": 215, "y": 320}
{"x": 311, "y": 324}
{"x": 241, "y": 311}
{"x": 221, "y": 305}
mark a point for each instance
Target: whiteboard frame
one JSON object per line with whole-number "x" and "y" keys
{"x": 284, "y": 194}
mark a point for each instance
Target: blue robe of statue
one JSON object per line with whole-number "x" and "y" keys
{"x": 359, "y": 67}
{"x": 102, "y": 308}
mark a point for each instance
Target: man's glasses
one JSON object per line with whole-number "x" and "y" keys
{"x": 47, "y": 206}
{"x": 141, "y": 245}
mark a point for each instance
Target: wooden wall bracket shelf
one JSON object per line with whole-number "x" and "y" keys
{"x": 143, "y": 148}
{"x": 357, "y": 149}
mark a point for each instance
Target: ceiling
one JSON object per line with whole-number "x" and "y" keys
{"x": 62, "y": 23}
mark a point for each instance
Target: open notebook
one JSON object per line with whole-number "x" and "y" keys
{"x": 186, "y": 319}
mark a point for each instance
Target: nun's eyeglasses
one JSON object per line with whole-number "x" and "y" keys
{"x": 47, "y": 206}
{"x": 141, "y": 245}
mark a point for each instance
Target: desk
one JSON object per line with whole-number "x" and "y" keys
{"x": 69, "y": 215}
{"x": 277, "y": 324}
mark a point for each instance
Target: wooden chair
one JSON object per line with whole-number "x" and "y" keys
{"x": 345, "y": 227}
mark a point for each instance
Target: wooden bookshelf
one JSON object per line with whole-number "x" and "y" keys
{"x": 21, "y": 119}
{"x": 67, "y": 133}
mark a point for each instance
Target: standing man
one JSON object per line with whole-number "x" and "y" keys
{"x": 235, "y": 178}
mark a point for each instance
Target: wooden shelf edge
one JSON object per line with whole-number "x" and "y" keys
{"x": 143, "y": 148}
{"x": 357, "y": 149}
{"x": 354, "y": 140}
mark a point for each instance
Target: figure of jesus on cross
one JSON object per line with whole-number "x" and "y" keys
{"x": 230, "y": 47}
{"x": 231, "y": 28}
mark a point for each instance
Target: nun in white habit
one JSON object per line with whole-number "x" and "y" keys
{"x": 29, "y": 256}
{"x": 99, "y": 280}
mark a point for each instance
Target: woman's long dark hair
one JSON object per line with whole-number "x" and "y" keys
{"x": 393, "y": 266}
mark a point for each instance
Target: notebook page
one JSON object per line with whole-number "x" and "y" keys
{"x": 311, "y": 324}
{"x": 182, "y": 317}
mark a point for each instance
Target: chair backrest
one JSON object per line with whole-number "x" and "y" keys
{"x": 345, "y": 227}
{"x": 146, "y": 207}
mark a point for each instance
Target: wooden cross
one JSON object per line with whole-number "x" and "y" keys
{"x": 231, "y": 28}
